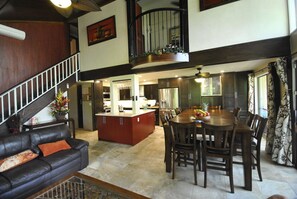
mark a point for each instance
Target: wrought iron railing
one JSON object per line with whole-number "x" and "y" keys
{"x": 158, "y": 31}
{"x": 17, "y": 98}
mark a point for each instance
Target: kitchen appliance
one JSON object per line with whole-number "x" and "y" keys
{"x": 168, "y": 98}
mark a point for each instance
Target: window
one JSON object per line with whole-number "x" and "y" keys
{"x": 261, "y": 107}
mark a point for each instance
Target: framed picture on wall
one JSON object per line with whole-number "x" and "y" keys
{"x": 101, "y": 31}
{"x": 207, "y": 4}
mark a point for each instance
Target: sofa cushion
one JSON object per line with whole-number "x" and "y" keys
{"x": 17, "y": 159}
{"x": 26, "y": 172}
{"x": 4, "y": 185}
{"x": 49, "y": 134}
{"x": 53, "y": 147}
{"x": 62, "y": 157}
{"x": 77, "y": 143}
{"x": 13, "y": 144}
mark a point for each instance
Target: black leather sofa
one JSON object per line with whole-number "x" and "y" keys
{"x": 29, "y": 178}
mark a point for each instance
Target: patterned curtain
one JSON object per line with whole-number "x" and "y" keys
{"x": 251, "y": 99}
{"x": 282, "y": 144}
{"x": 271, "y": 108}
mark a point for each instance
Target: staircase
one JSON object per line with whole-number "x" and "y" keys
{"x": 23, "y": 95}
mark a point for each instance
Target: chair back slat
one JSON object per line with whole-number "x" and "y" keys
{"x": 218, "y": 137}
{"x": 258, "y": 134}
{"x": 249, "y": 119}
{"x": 183, "y": 134}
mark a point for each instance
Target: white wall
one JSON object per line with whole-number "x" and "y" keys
{"x": 292, "y": 14}
{"x": 107, "y": 53}
{"x": 238, "y": 22}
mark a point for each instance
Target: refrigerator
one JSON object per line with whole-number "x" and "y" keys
{"x": 168, "y": 98}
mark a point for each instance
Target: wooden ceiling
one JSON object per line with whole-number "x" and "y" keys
{"x": 37, "y": 10}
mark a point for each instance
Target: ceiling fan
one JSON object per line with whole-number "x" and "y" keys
{"x": 65, "y": 7}
{"x": 200, "y": 76}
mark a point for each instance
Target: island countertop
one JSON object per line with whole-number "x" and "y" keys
{"x": 126, "y": 113}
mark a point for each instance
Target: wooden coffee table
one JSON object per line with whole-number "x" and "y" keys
{"x": 80, "y": 186}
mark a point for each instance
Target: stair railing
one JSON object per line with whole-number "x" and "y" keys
{"x": 22, "y": 95}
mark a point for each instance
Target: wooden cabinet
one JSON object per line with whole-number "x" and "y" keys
{"x": 125, "y": 130}
{"x": 151, "y": 91}
{"x": 168, "y": 83}
{"x": 235, "y": 91}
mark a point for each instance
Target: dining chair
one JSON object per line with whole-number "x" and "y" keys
{"x": 236, "y": 112}
{"x": 218, "y": 144}
{"x": 259, "y": 128}
{"x": 177, "y": 111}
{"x": 184, "y": 146}
{"x": 249, "y": 119}
{"x": 165, "y": 116}
{"x": 167, "y": 139}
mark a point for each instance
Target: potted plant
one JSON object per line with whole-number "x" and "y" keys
{"x": 59, "y": 107}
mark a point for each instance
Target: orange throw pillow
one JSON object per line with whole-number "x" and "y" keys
{"x": 16, "y": 160}
{"x": 53, "y": 147}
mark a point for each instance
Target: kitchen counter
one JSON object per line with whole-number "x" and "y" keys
{"x": 126, "y": 127}
{"x": 126, "y": 113}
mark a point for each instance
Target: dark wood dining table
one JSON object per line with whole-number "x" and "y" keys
{"x": 219, "y": 117}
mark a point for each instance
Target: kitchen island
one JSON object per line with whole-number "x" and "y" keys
{"x": 125, "y": 127}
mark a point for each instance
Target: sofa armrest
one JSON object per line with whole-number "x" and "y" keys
{"x": 77, "y": 143}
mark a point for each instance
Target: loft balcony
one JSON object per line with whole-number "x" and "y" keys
{"x": 159, "y": 37}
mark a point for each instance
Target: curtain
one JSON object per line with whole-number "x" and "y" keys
{"x": 271, "y": 106}
{"x": 251, "y": 94}
{"x": 282, "y": 143}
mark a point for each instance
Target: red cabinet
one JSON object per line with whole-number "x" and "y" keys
{"x": 125, "y": 130}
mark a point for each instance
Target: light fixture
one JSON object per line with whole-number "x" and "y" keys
{"x": 199, "y": 79}
{"x": 61, "y": 3}
{"x": 12, "y": 32}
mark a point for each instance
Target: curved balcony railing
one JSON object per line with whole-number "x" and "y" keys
{"x": 158, "y": 32}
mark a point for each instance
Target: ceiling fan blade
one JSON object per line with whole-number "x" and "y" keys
{"x": 86, "y": 5}
{"x": 203, "y": 75}
{"x": 65, "y": 12}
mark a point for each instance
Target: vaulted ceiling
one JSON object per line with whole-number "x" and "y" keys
{"x": 39, "y": 10}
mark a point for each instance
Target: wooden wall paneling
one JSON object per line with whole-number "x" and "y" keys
{"x": 242, "y": 93}
{"x": 228, "y": 91}
{"x": 212, "y": 100}
{"x": 194, "y": 95}
{"x": 97, "y": 101}
{"x": 184, "y": 92}
{"x": 45, "y": 45}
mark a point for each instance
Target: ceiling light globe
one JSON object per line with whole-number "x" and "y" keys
{"x": 199, "y": 80}
{"x": 61, "y": 3}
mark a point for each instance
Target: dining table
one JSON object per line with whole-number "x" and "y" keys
{"x": 222, "y": 118}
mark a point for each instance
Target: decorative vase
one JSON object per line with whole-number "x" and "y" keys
{"x": 205, "y": 106}
{"x": 60, "y": 116}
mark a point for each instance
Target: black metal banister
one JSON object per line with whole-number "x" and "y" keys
{"x": 157, "y": 31}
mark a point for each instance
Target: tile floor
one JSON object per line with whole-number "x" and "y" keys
{"x": 141, "y": 169}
